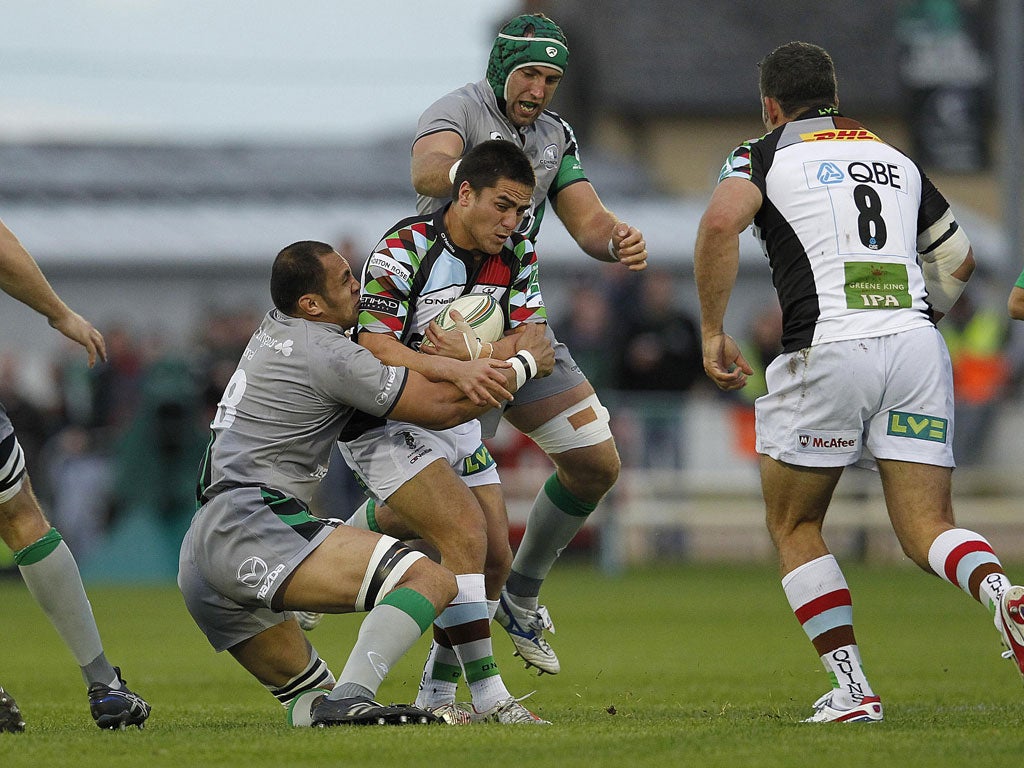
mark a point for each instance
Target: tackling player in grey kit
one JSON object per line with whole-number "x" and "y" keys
{"x": 254, "y": 553}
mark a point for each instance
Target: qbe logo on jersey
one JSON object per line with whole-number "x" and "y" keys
{"x": 867, "y": 200}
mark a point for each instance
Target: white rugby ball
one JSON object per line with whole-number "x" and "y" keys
{"x": 481, "y": 311}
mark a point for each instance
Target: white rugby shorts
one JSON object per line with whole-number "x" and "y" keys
{"x": 386, "y": 457}
{"x": 850, "y": 402}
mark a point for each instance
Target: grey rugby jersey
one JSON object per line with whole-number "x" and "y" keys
{"x": 843, "y": 218}
{"x": 297, "y": 384}
{"x": 473, "y": 112}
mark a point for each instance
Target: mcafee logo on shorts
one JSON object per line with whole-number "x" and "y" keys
{"x": 820, "y": 441}
{"x": 252, "y": 571}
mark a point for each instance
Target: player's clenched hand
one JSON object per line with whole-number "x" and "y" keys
{"x": 724, "y": 363}
{"x": 629, "y": 246}
{"x": 532, "y": 338}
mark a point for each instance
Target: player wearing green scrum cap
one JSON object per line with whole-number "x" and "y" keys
{"x": 560, "y": 412}
{"x": 526, "y": 41}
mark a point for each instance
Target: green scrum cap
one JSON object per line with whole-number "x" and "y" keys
{"x": 530, "y": 39}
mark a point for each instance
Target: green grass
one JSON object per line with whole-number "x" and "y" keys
{"x": 673, "y": 666}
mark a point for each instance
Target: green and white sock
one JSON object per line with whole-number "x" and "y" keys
{"x": 52, "y": 577}
{"x": 387, "y": 632}
{"x": 556, "y": 517}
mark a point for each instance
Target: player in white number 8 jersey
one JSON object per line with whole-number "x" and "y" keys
{"x": 866, "y": 256}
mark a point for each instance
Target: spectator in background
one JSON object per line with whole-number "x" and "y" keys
{"x": 1015, "y": 304}
{"x": 587, "y": 329}
{"x": 976, "y": 337}
{"x": 660, "y": 356}
{"x": 155, "y": 458}
{"x": 221, "y": 338}
{"x": 763, "y": 345}
{"x": 115, "y": 383}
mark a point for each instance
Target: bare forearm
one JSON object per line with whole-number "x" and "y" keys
{"x": 715, "y": 266}
{"x": 21, "y": 278}
{"x": 390, "y": 351}
{"x": 430, "y": 173}
{"x": 440, "y": 404}
{"x": 594, "y": 236}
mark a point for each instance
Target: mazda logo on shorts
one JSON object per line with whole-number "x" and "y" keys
{"x": 252, "y": 571}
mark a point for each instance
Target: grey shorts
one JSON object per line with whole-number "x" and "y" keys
{"x": 234, "y": 557}
{"x": 565, "y": 376}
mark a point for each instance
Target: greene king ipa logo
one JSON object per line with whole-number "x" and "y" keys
{"x": 876, "y": 286}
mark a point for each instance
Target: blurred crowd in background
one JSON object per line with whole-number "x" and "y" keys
{"x": 127, "y": 435}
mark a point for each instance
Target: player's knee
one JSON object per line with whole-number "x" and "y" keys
{"x": 433, "y": 581}
{"x": 916, "y": 550}
{"x": 463, "y": 545}
{"x": 589, "y": 474}
{"x": 21, "y": 519}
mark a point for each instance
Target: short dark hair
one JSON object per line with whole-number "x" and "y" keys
{"x": 799, "y": 75}
{"x": 492, "y": 160}
{"x": 297, "y": 271}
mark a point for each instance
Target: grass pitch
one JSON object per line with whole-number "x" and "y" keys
{"x": 670, "y": 666}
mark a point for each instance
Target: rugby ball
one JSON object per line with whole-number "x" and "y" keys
{"x": 481, "y": 311}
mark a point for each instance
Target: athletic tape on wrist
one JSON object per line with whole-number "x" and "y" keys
{"x": 529, "y": 361}
{"x": 525, "y": 366}
{"x": 520, "y": 369}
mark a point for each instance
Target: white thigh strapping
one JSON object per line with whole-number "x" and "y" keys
{"x": 389, "y": 573}
{"x": 580, "y": 425}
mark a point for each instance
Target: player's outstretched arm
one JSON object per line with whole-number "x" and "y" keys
{"x": 433, "y": 156}
{"x": 21, "y": 278}
{"x": 597, "y": 230}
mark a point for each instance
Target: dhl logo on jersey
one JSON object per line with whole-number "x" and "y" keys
{"x": 838, "y": 134}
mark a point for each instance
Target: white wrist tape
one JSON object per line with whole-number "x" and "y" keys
{"x": 520, "y": 369}
{"x": 525, "y": 367}
{"x": 611, "y": 249}
{"x": 473, "y": 346}
{"x": 453, "y": 170}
